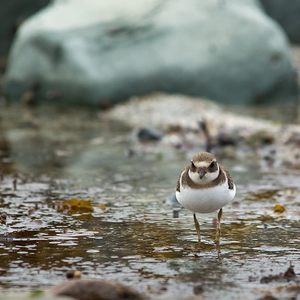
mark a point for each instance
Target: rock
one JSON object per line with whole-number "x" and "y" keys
{"x": 224, "y": 139}
{"x": 273, "y": 143}
{"x": 268, "y": 297}
{"x": 262, "y": 137}
{"x": 182, "y": 112}
{"x": 3, "y": 218}
{"x": 73, "y": 274}
{"x": 175, "y": 213}
{"x": 288, "y": 275}
{"x": 149, "y": 134}
{"x": 198, "y": 289}
{"x": 287, "y": 14}
{"x": 96, "y": 290}
{"x": 100, "y": 52}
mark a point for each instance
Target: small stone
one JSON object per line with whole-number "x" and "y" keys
{"x": 96, "y": 290}
{"x": 3, "y": 218}
{"x": 175, "y": 213}
{"x": 198, "y": 289}
{"x": 252, "y": 278}
{"x": 149, "y": 134}
{"x": 268, "y": 297}
{"x": 226, "y": 139}
{"x": 263, "y": 138}
{"x": 73, "y": 274}
{"x": 270, "y": 278}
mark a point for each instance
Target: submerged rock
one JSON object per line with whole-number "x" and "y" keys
{"x": 96, "y": 290}
{"x": 268, "y": 297}
{"x": 100, "y": 52}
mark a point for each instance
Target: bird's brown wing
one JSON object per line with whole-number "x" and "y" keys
{"x": 178, "y": 181}
{"x": 230, "y": 181}
{"x": 178, "y": 184}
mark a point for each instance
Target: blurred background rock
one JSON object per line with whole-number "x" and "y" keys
{"x": 100, "y": 52}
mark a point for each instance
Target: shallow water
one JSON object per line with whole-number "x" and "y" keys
{"x": 81, "y": 202}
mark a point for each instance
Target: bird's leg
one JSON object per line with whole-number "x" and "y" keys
{"x": 218, "y": 232}
{"x": 197, "y": 226}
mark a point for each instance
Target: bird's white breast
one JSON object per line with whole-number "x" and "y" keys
{"x": 205, "y": 200}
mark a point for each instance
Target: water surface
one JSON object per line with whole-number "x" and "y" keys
{"x": 83, "y": 201}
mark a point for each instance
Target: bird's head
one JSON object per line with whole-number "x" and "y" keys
{"x": 204, "y": 168}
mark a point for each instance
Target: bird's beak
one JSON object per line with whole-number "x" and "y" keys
{"x": 202, "y": 173}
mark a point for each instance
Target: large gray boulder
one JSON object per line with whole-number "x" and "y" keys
{"x": 104, "y": 51}
{"x": 287, "y": 14}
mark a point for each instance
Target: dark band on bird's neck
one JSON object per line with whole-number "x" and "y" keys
{"x": 187, "y": 181}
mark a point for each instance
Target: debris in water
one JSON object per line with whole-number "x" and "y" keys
{"x": 279, "y": 208}
{"x": 15, "y": 182}
{"x": 264, "y": 194}
{"x": 288, "y": 275}
{"x": 73, "y": 206}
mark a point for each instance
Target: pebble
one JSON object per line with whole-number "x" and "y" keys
{"x": 96, "y": 290}
{"x": 149, "y": 134}
{"x": 73, "y": 274}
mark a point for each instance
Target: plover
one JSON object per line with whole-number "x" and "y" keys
{"x": 204, "y": 186}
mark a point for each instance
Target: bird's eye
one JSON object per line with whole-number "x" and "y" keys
{"x": 193, "y": 167}
{"x": 213, "y": 166}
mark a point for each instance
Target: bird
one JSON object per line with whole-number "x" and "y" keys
{"x": 205, "y": 186}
